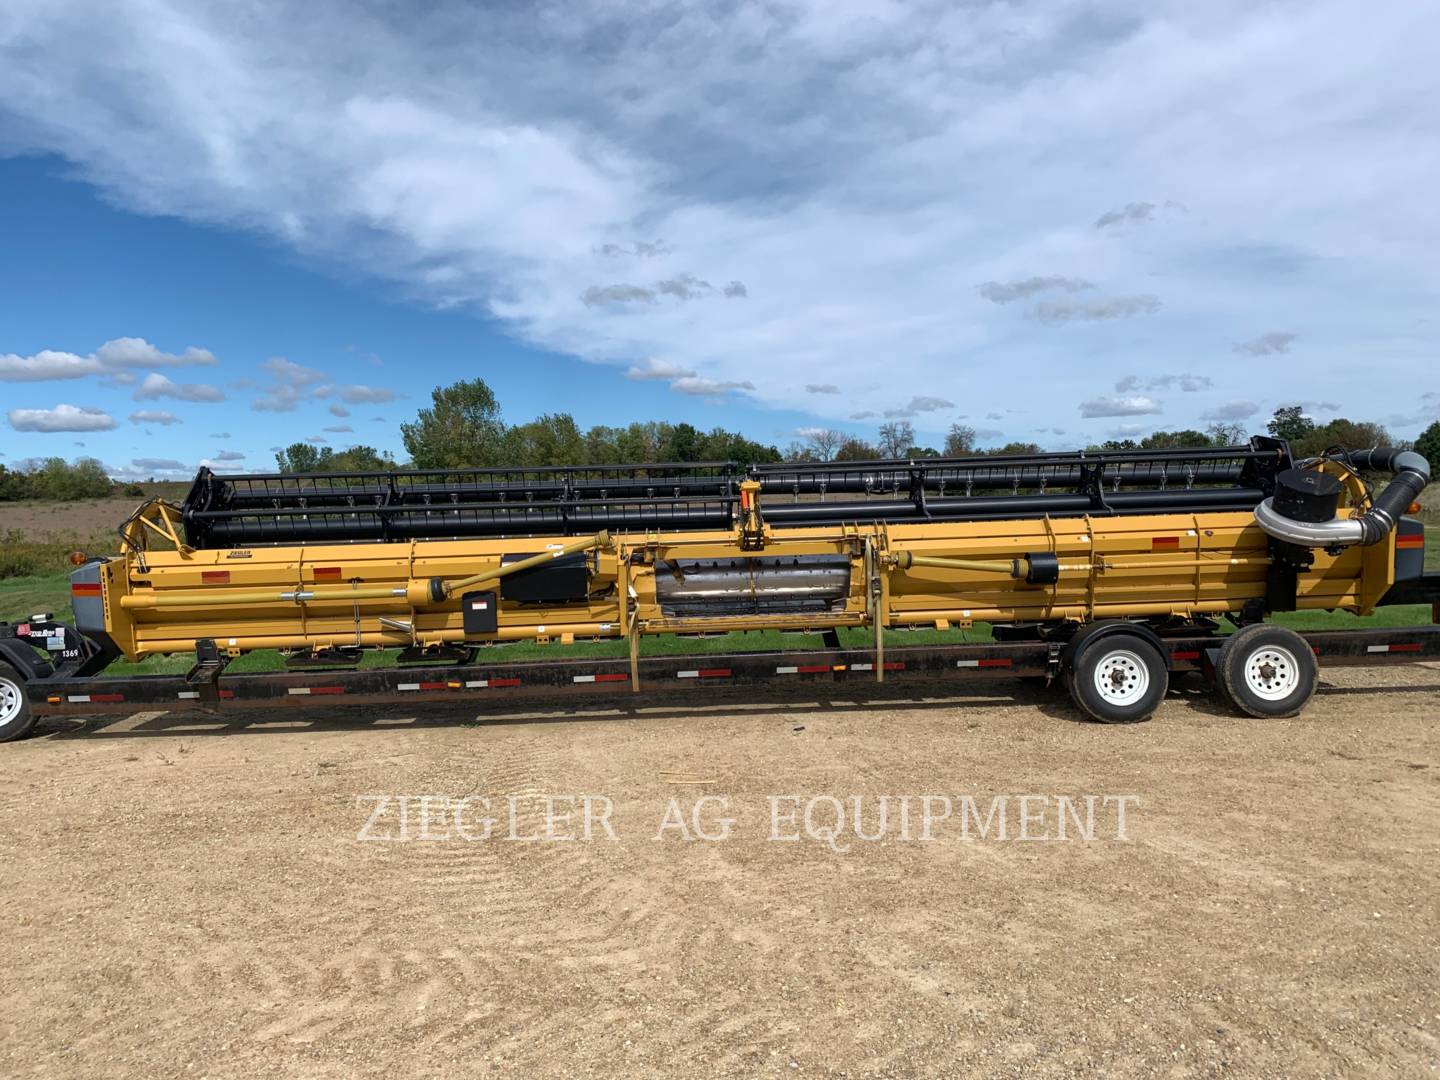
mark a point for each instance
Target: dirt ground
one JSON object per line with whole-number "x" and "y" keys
{"x": 82, "y": 518}
{"x": 196, "y": 899}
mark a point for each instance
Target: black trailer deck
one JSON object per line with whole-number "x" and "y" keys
{"x": 490, "y": 682}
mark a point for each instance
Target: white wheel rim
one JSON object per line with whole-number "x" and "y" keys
{"x": 9, "y": 701}
{"x": 1121, "y": 677}
{"x": 1272, "y": 673}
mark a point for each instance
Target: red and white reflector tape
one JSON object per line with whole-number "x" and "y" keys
{"x": 94, "y": 699}
{"x": 301, "y": 691}
{"x": 998, "y": 661}
{"x": 705, "y": 673}
{"x": 1406, "y": 646}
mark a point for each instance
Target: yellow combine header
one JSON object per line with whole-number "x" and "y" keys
{"x": 1100, "y": 562}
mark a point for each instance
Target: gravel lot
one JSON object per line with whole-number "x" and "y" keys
{"x": 186, "y": 898}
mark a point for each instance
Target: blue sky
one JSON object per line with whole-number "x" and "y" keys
{"x": 1057, "y": 222}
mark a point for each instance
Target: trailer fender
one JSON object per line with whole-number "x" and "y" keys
{"x": 27, "y": 663}
{"x": 1090, "y": 633}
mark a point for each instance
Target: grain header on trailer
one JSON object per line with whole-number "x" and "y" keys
{"x": 1093, "y": 567}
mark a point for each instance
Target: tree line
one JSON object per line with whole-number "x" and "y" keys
{"x": 463, "y": 428}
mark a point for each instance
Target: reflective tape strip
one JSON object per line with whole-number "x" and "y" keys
{"x": 1409, "y": 646}
{"x": 998, "y": 661}
{"x": 609, "y": 677}
{"x": 705, "y": 673}
{"x": 303, "y": 690}
{"x": 786, "y": 670}
{"x": 191, "y": 695}
{"x": 423, "y": 686}
{"x": 1186, "y": 655}
{"x": 862, "y": 667}
{"x": 84, "y": 590}
{"x": 95, "y": 699}
{"x": 477, "y": 684}
{"x": 504, "y": 682}
{"x": 1415, "y": 541}
{"x": 895, "y": 665}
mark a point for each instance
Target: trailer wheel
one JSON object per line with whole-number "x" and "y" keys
{"x": 1120, "y": 679}
{"x": 16, "y": 719}
{"x": 1267, "y": 671}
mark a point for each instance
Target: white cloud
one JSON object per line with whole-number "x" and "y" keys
{"x": 859, "y": 172}
{"x": 360, "y": 394}
{"x": 133, "y": 352}
{"x": 289, "y": 384}
{"x": 47, "y": 364}
{"x": 339, "y": 428}
{"x": 657, "y": 369}
{"x": 1188, "y": 384}
{"x": 286, "y": 371}
{"x": 1275, "y": 341}
{"x": 154, "y": 416}
{"x": 158, "y": 464}
{"x": 229, "y": 455}
{"x": 61, "y": 418}
{"x": 700, "y": 386}
{"x": 1138, "y": 405}
{"x": 109, "y": 359}
{"x": 155, "y": 386}
{"x": 1129, "y": 431}
{"x": 339, "y": 410}
{"x": 1235, "y": 410}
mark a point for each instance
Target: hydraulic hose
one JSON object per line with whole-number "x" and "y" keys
{"x": 1411, "y": 473}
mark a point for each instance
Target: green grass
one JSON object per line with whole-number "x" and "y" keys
{"x": 21, "y": 597}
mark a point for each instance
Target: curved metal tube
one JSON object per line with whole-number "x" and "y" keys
{"x": 1337, "y": 532}
{"x": 1411, "y": 472}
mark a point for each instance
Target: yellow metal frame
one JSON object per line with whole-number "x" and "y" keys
{"x": 923, "y": 575}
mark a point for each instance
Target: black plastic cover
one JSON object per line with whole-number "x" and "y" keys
{"x": 479, "y": 613}
{"x": 565, "y": 580}
{"x": 1307, "y": 495}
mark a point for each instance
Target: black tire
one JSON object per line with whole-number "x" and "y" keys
{"x": 1266, "y": 671}
{"x": 16, "y": 719}
{"x": 1119, "y": 679}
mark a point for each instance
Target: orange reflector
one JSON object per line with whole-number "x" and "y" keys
{"x": 215, "y": 577}
{"x": 54, "y": 700}
{"x": 327, "y": 573}
{"x": 85, "y": 590}
{"x": 1416, "y": 540}
{"x": 1413, "y": 508}
{"x": 77, "y": 558}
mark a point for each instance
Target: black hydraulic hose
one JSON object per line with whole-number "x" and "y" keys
{"x": 1411, "y": 473}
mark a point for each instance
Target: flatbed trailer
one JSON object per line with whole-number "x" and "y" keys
{"x": 492, "y": 684}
